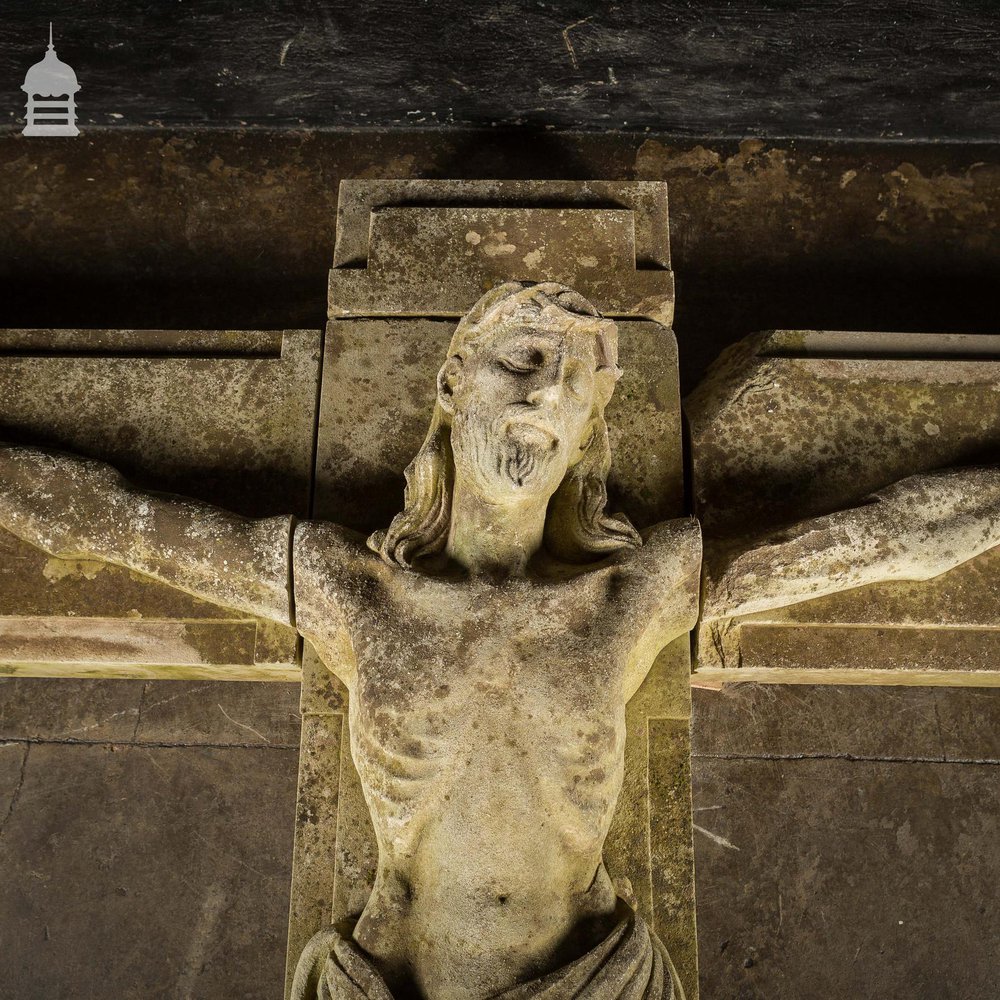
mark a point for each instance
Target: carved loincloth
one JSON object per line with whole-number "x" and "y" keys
{"x": 333, "y": 967}
{"x": 629, "y": 964}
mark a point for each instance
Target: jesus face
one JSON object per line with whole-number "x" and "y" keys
{"x": 522, "y": 407}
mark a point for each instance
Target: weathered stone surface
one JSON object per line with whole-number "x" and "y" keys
{"x": 491, "y": 787}
{"x": 431, "y": 248}
{"x": 857, "y": 836}
{"x": 649, "y": 846}
{"x": 821, "y": 878}
{"x": 365, "y": 359}
{"x": 33, "y": 708}
{"x": 155, "y": 712}
{"x": 529, "y": 372}
{"x": 83, "y": 512}
{"x": 144, "y": 871}
{"x": 222, "y": 415}
{"x": 857, "y": 721}
{"x": 369, "y": 428}
{"x": 792, "y": 424}
{"x": 235, "y": 227}
{"x": 220, "y": 713}
{"x": 882, "y": 572}
{"x": 740, "y": 721}
{"x": 591, "y": 249}
{"x": 970, "y": 725}
{"x": 125, "y": 396}
{"x": 645, "y": 200}
{"x": 13, "y": 761}
{"x": 888, "y": 562}
{"x": 671, "y": 850}
{"x": 376, "y": 404}
{"x": 355, "y": 858}
{"x": 323, "y": 757}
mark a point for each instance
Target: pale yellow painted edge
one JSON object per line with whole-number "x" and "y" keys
{"x": 286, "y": 672}
{"x": 713, "y": 678}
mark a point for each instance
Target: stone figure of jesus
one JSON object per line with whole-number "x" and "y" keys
{"x": 490, "y": 639}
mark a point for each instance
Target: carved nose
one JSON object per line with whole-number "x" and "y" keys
{"x": 546, "y": 395}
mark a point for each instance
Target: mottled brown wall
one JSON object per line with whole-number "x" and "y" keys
{"x": 235, "y": 229}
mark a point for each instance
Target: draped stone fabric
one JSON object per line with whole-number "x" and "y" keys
{"x": 630, "y": 964}
{"x": 333, "y": 967}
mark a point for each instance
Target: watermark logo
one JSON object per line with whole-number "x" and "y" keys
{"x": 51, "y": 87}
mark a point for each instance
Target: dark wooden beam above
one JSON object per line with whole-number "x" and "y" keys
{"x": 855, "y": 69}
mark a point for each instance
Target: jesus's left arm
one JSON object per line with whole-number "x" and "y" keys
{"x": 915, "y": 529}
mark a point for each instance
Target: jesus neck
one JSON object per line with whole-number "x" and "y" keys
{"x": 490, "y": 537}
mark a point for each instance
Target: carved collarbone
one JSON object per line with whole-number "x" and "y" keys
{"x": 622, "y": 610}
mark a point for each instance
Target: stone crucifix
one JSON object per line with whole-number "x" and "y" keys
{"x": 490, "y": 639}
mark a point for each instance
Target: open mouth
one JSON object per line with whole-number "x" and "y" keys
{"x": 527, "y": 419}
{"x": 526, "y": 427}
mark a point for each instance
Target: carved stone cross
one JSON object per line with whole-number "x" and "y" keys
{"x": 494, "y": 795}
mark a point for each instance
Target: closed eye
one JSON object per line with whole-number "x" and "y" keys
{"x": 513, "y": 366}
{"x": 524, "y": 361}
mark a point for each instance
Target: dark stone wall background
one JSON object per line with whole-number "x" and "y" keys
{"x": 845, "y": 840}
{"x": 160, "y": 229}
{"x": 848, "y": 837}
{"x": 900, "y": 69}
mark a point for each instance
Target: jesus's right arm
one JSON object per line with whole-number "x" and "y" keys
{"x": 75, "y": 507}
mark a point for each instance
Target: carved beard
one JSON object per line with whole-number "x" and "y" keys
{"x": 518, "y": 455}
{"x": 517, "y": 463}
{"x": 522, "y": 454}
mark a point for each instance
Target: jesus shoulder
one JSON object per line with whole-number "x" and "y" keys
{"x": 657, "y": 592}
{"x": 336, "y": 578}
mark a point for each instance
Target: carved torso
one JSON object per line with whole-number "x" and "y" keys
{"x": 487, "y": 726}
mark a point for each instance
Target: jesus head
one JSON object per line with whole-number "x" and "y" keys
{"x": 517, "y": 443}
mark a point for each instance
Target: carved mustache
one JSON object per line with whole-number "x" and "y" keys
{"x": 515, "y": 458}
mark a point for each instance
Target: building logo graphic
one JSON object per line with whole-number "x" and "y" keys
{"x": 51, "y": 87}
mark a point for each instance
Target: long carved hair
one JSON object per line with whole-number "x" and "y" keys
{"x": 577, "y": 527}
